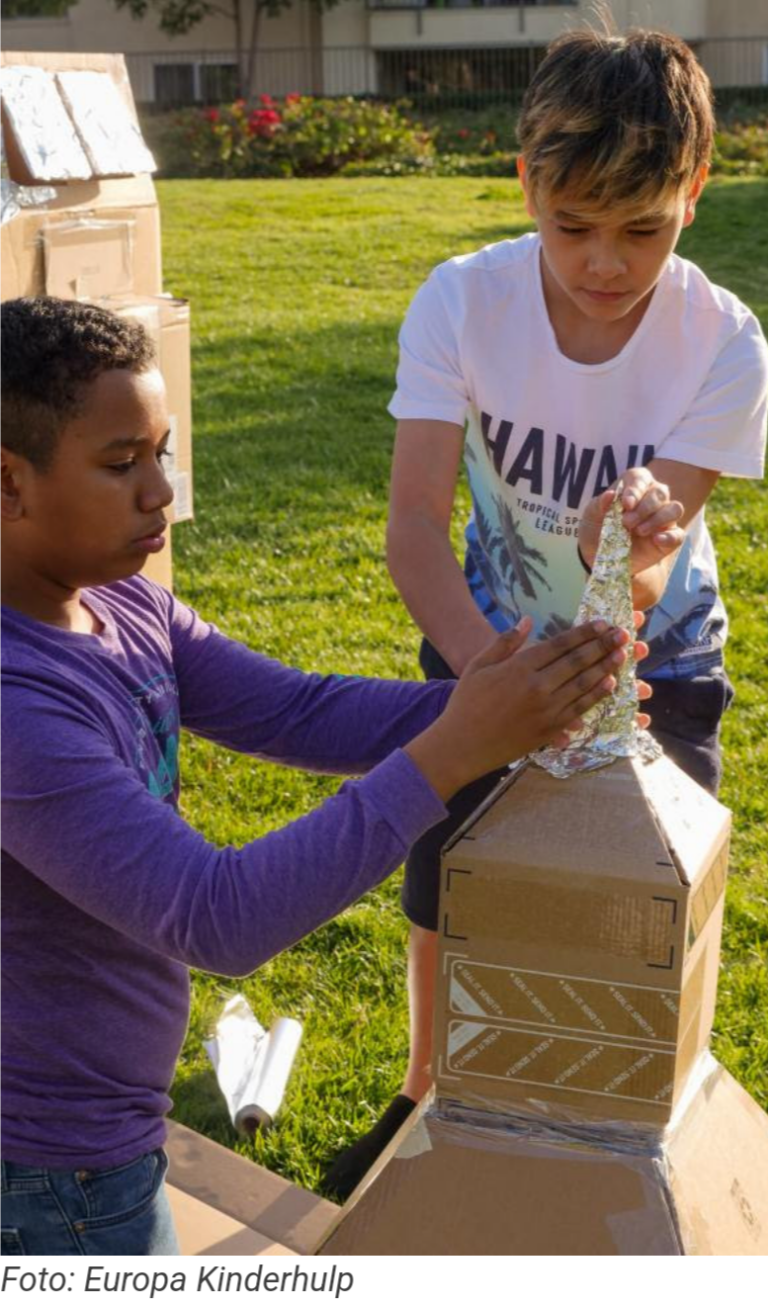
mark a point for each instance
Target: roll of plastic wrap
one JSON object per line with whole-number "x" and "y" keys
{"x": 252, "y": 1066}
{"x": 269, "y": 1085}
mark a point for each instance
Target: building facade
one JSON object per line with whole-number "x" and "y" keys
{"x": 389, "y": 47}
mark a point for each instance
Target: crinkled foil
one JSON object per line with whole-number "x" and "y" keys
{"x": 112, "y": 139}
{"x": 14, "y": 197}
{"x": 42, "y": 127}
{"x": 610, "y": 730}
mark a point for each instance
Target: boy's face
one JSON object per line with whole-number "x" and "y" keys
{"x": 605, "y": 266}
{"x": 97, "y": 512}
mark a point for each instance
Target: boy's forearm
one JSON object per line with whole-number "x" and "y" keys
{"x": 429, "y": 578}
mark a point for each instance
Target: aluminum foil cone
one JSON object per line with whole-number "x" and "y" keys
{"x": 610, "y": 730}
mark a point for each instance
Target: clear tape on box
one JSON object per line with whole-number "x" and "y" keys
{"x": 536, "y": 1120}
{"x": 252, "y": 1066}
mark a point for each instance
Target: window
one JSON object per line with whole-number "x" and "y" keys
{"x": 174, "y": 85}
{"x": 218, "y": 83}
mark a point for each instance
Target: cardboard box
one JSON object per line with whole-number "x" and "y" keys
{"x": 576, "y": 1110}
{"x": 580, "y": 931}
{"x": 223, "y": 1204}
{"x": 486, "y": 1187}
{"x": 77, "y": 206}
{"x": 167, "y": 321}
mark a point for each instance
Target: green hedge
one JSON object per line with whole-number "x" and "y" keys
{"x": 302, "y": 136}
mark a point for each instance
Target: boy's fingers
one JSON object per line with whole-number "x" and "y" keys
{"x": 644, "y": 691}
{"x": 668, "y": 541}
{"x": 575, "y": 641}
{"x": 639, "y": 619}
{"x": 567, "y": 696}
{"x": 605, "y": 648}
{"x": 605, "y": 685}
{"x": 635, "y": 483}
{"x": 667, "y": 515}
{"x": 506, "y": 644}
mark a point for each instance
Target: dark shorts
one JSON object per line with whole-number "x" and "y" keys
{"x": 686, "y": 722}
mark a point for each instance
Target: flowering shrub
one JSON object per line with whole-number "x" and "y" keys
{"x": 300, "y": 136}
{"x": 741, "y": 145}
{"x": 296, "y": 136}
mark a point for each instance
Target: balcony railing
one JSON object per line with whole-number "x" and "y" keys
{"x": 443, "y": 75}
{"x": 472, "y": 4}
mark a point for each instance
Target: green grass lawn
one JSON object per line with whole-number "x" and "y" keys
{"x": 297, "y": 292}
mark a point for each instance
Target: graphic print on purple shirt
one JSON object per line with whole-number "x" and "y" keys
{"x": 156, "y": 706}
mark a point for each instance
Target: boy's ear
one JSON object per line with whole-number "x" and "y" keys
{"x": 524, "y": 183}
{"x": 694, "y": 193}
{"x": 11, "y": 486}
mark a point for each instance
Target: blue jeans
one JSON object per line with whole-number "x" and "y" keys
{"x": 92, "y": 1212}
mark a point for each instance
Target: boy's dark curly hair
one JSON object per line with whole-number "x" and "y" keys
{"x": 51, "y": 350}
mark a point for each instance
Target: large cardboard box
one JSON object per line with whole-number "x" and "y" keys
{"x": 97, "y": 236}
{"x": 223, "y": 1204}
{"x": 580, "y": 940}
{"x": 577, "y": 1109}
{"x": 486, "y": 1186}
{"x": 93, "y": 237}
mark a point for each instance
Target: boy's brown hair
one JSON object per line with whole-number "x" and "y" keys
{"x": 616, "y": 120}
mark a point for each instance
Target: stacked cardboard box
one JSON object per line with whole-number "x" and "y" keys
{"x": 81, "y": 219}
{"x": 576, "y": 1109}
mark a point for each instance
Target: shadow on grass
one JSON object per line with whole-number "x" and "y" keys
{"x": 199, "y": 1103}
{"x": 296, "y": 434}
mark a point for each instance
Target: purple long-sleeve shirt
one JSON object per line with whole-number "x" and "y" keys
{"x": 109, "y": 895}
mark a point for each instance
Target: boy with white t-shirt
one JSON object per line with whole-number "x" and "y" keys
{"x": 556, "y": 364}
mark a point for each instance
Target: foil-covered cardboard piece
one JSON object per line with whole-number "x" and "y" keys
{"x": 111, "y": 137}
{"x": 610, "y": 730}
{"x": 46, "y": 135}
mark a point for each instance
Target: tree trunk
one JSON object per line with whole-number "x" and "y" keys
{"x": 242, "y": 63}
{"x": 253, "y": 49}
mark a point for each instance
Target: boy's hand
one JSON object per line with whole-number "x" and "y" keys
{"x": 650, "y": 516}
{"x": 511, "y": 700}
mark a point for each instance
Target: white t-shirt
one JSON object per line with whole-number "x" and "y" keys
{"x": 544, "y": 434}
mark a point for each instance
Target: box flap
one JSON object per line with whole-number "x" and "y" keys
{"x": 693, "y": 822}
{"x": 42, "y": 144}
{"x": 718, "y": 1167}
{"x": 107, "y": 129}
{"x": 201, "y": 1229}
{"x": 596, "y": 824}
{"x": 252, "y": 1195}
{"x": 459, "y": 1189}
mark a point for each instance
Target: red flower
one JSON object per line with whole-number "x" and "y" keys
{"x": 292, "y": 98}
{"x": 263, "y": 122}
{"x": 266, "y": 100}
{"x": 463, "y": 133}
{"x": 211, "y": 115}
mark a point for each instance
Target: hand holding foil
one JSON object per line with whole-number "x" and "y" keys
{"x": 610, "y": 730}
